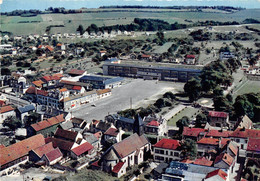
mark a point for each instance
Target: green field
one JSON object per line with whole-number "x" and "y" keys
{"x": 101, "y": 18}
{"x": 248, "y": 87}
{"x": 189, "y": 111}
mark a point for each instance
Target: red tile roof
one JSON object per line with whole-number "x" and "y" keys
{"x": 98, "y": 134}
{"x": 130, "y": 144}
{"x": 219, "y": 172}
{"x": 190, "y": 56}
{"x": 85, "y": 147}
{"x": 218, "y": 133}
{"x": 96, "y": 164}
{"x": 61, "y": 144}
{"x": 40, "y": 151}
{"x": 168, "y": 144}
{"x": 188, "y": 161}
{"x": 2, "y": 102}
{"x": 203, "y": 161}
{"x": 118, "y": 167}
{"x": 112, "y": 132}
{"x": 53, "y": 155}
{"x": 154, "y": 123}
{"x": 146, "y": 56}
{"x": 48, "y": 123}
{"x": 38, "y": 83}
{"x": 218, "y": 114}
{"x": 63, "y": 90}
{"x": 253, "y": 145}
{"x": 77, "y": 87}
{"x": 208, "y": 141}
{"x": 224, "y": 157}
{"x": 34, "y": 90}
{"x": 6, "y": 109}
{"x": 76, "y": 72}
{"x": 194, "y": 132}
{"x": 246, "y": 133}
{"x": 224, "y": 141}
{"x": 20, "y": 149}
{"x": 65, "y": 134}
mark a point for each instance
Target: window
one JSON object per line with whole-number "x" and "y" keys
{"x": 166, "y": 152}
{"x": 176, "y": 154}
{"x": 157, "y": 151}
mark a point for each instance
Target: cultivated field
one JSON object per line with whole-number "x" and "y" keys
{"x": 38, "y": 24}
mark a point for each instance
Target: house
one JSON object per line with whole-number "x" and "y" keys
{"x": 22, "y": 113}
{"x": 102, "y": 126}
{"x": 46, "y": 127}
{"x": 52, "y": 157}
{"x": 15, "y": 154}
{"x": 244, "y": 122}
{"x": 102, "y": 93}
{"x": 99, "y": 82}
{"x": 218, "y": 134}
{"x": 35, "y": 155}
{"x": 218, "y": 119}
{"x": 190, "y": 59}
{"x": 86, "y": 149}
{"x": 114, "y": 134}
{"x": 159, "y": 170}
{"x": 226, "y": 55}
{"x": 130, "y": 151}
{"x": 205, "y": 145}
{"x": 102, "y": 53}
{"x": 125, "y": 123}
{"x": 167, "y": 150}
{"x": 225, "y": 161}
{"x": 81, "y": 123}
{"x": 76, "y": 72}
{"x": 67, "y": 125}
{"x": 5, "y": 112}
{"x": 93, "y": 139}
{"x": 155, "y": 125}
{"x": 146, "y": 57}
{"x": 68, "y": 135}
{"x": 193, "y": 133}
{"x": 216, "y": 175}
{"x": 253, "y": 148}
{"x": 203, "y": 161}
{"x": 38, "y": 83}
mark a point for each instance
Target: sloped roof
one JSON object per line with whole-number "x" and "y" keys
{"x": 218, "y": 114}
{"x": 53, "y": 155}
{"x": 208, "y": 141}
{"x": 66, "y": 125}
{"x": 65, "y": 134}
{"x": 112, "y": 132}
{"x": 26, "y": 108}
{"x": 168, "y": 144}
{"x": 190, "y": 56}
{"x": 245, "y": 133}
{"x": 103, "y": 91}
{"x": 20, "y": 149}
{"x": 48, "y": 123}
{"x": 154, "y": 123}
{"x": 130, "y": 144}
{"x": 253, "y": 144}
{"x": 218, "y": 133}
{"x": 62, "y": 144}
{"x": 118, "y": 167}
{"x": 110, "y": 155}
{"x": 203, "y": 161}
{"x": 76, "y": 72}
{"x": 245, "y": 123}
{"x": 103, "y": 126}
{"x": 40, "y": 151}
{"x": 224, "y": 157}
{"x": 38, "y": 83}
{"x": 85, "y": 147}
{"x": 6, "y": 109}
{"x": 219, "y": 172}
{"x": 77, "y": 87}
{"x": 63, "y": 90}
{"x": 194, "y": 132}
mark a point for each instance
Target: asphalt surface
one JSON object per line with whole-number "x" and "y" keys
{"x": 141, "y": 92}
{"x": 16, "y": 100}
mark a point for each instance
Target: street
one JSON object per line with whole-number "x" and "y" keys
{"x": 16, "y": 100}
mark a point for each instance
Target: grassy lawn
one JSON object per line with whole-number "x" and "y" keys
{"x": 250, "y": 86}
{"x": 86, "y": 174}
{"x": 163, "y": 48}
{"x": 190, "y": 112}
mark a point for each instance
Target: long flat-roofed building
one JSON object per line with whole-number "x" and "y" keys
{"x": 180, "y": 73}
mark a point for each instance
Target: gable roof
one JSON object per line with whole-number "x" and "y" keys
{"x": 118, "y": 167}
{"x": 38, "y": 83}
{"x": 112, "y": 132}
{"x": 218, "y": 172}
{"x": 253, "y": 145}
{"x": 224, "y": 157}
{"x": 153, "y": 123}
{"x": 218, "y": 133}
{"x": 76, "y": 72}
{"x": 6, "y": 109}
{"x": 168, "y": 144}
{"x": 208, "y": 141}
{"x": 26, "y": 108}
{"x": 130, "y": 144}
{"x": 85, "y": 147}
{"x": 190, "y": 56}
{"x": 53, "y": 154}
{"x": 61, "y": 144}
{"x": 103, "y": 91}
{"x": 245, "y": 133}
{"x": 40, "y": 151}
{"x": 65, "y": 134}
{"x": 48, "y": 123}
{"x": 76, "y": 87}
{"x": 20, "y": 149}
{"x": 34, "y": 90}
{"x": 193, "y": 132}
{"x": 245, "y": 123}
{"x": 103, "y": 126}
{"x": 218, "y": 114}
{"x": 203, "y": 161}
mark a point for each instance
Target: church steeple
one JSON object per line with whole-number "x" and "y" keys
{"x": 138, "y": 125}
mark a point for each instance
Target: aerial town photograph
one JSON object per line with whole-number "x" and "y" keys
{"x": 129, "y": 90}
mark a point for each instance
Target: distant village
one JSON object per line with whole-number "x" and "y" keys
{"x": 38, "y": 128}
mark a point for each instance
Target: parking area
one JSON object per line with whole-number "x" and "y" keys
{"x": 135, "y": 93}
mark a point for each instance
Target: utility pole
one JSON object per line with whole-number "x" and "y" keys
{"x": 130, "y": 102}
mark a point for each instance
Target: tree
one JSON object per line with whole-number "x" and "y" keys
{"x": 221, "y": 103}
{"x": 189, "y": 149}
{"x": 201, "y": 120}
{"x": 183, "y": 122}
{"x": 243, "y": 107}
{"x": 193, "y": 89}
{"x": 12, "y": 122}
{"x": 218, "y": 91}
{"x": 80, "y": 29}
{"x": 169, "y": 95}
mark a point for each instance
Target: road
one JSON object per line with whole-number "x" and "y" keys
{"x": 141, "y": 92}
{"x": 16, "y": 100}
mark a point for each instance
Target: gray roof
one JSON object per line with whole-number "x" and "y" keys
{"x": 113, "y": 80}
{"x": 89, "y": 137}
{"x": 161, "y": 167}
{"x": 26, "y": 108}
{"x": 66, "y": 125}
